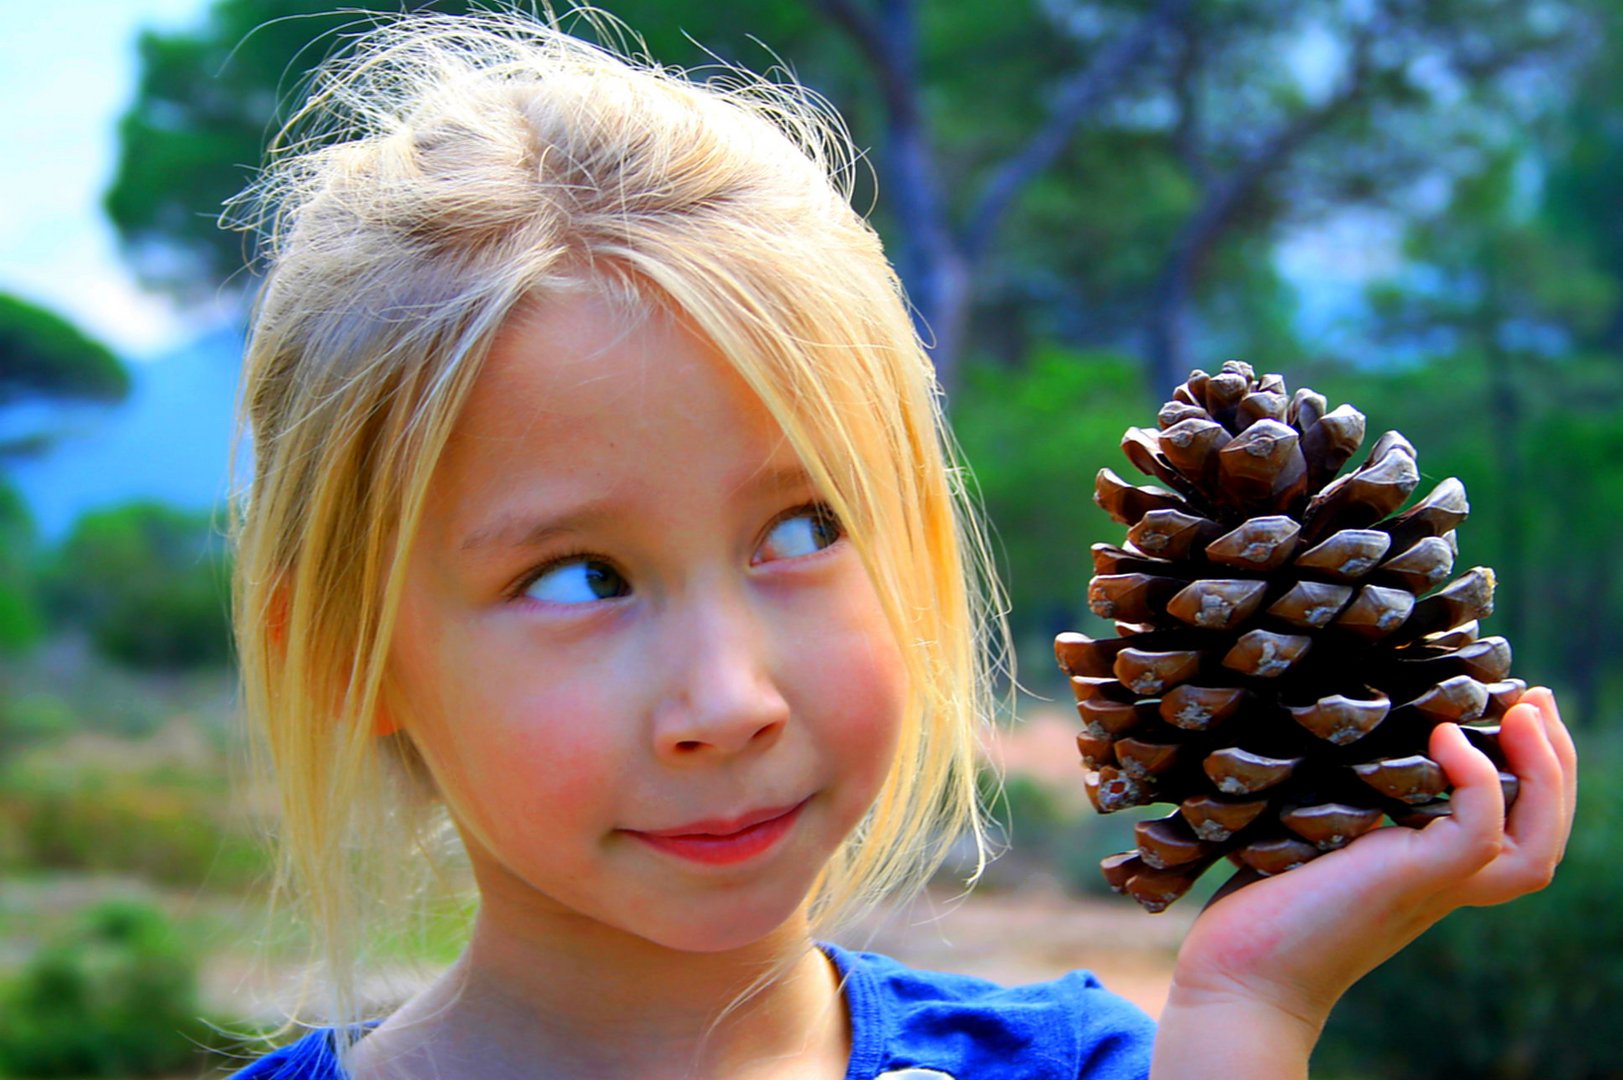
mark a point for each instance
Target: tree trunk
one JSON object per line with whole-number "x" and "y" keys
{"x": 1167, "y": 354}
{"x": 1588, "y": 654}
{"x": 1505, "y": 436}
{"x": 936, "y": 259}
{"x": 946, "y": 321}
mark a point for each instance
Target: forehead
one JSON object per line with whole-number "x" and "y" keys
{"x": 584, "y": 393}
{"x": 590, "y": 365}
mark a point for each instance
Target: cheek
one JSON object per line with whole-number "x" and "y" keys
{"x": 862, "y": 683}
{"x": 554, "y": 751}
{"x": 514, "y": 746}
{"x": 567, "y": 739}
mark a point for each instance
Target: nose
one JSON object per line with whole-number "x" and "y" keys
{"x": 721, "y": 696}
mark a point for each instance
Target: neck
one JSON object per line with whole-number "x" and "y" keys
{"x": 589, "y": 1000}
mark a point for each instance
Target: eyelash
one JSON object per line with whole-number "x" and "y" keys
{"x": 570, "y": 555}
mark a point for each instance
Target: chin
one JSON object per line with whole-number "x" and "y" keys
{"x": 716, "y": 928}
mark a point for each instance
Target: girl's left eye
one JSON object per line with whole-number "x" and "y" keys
{"x": 801, "y": 532}
{"x": 577, "y": 580}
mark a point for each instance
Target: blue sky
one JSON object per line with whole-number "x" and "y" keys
{"x": 67, "y": 70}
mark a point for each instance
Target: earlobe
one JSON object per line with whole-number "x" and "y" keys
{"x": 276, "y": 618}
{"x": 383, "y": 722}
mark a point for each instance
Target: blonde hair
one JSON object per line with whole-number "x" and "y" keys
{"x": 441, "y": 171}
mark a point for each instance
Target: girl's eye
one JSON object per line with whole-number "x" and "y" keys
{"x": 802, "y": 532}
{"x": 578, "y": 580}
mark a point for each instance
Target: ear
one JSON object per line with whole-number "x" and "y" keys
{"x": 276, "y": 617}
{"x": 383, "y": 722}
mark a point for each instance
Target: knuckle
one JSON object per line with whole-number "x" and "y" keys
{"x": 1529, "y": 878}
{"x": 1484, "y": 849}
{"x": 1539, "y": 876}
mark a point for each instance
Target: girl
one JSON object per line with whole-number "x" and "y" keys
{"x": 602, "y": 509}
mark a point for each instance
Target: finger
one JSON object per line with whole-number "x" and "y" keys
{"x": 1566, "y": 751}
{"x": 1541, "y": 819}
{"x": 1237, "y": 881}
{"x": 1475, "y": 830}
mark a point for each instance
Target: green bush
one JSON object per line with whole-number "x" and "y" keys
{"x": 1024, "y": 824}
{"x": 20, "y": 622}
{"x": 116, "y": 996}
{"x": 30, "y": 718}
{"x": 1525, "y": 991}
{"x": 165, "y": 825}
{"x": 150, "y": 584}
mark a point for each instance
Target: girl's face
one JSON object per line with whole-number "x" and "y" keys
{"x": 649, "y": 675}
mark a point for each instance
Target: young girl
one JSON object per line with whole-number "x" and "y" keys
{"x": 602, "y": 509}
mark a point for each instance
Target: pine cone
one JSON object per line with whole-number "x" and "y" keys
{"x": 1281, "y": 664}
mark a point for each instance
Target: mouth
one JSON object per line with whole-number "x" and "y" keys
{"x": 724, "y": 841}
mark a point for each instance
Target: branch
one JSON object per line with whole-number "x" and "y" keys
{"x": 888, "y": 54}
{"x": 1076, "y": 97}
{"x": 1225, "y": 197}
{"x": 1187, "y": 135}
{"x": 931, "y": 263}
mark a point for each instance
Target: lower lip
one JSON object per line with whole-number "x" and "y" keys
{"x": 725, "y": 850}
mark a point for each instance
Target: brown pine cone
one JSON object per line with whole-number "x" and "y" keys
{"x": 1285, "y": 647}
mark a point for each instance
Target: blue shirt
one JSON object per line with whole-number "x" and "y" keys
{"x": 901, "y": 1019}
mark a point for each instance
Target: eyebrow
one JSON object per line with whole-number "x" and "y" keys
{"x": 518, "y": 530}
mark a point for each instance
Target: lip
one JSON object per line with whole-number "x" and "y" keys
{"x": 724, "y": 841}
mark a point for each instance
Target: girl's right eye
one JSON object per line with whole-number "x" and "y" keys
{"x": 577, "y": 580}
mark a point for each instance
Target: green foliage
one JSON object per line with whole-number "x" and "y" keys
{"x": 20, "y": 620}
{"x": 26, "y": 719}
{"x": 42, "y": 354}
{"x": 207, "y": 100}
{"x": 1022, "y": 813}
{"x": 1524, "y": 991}
{"x": 150, "y": 584}
{"x": 209, "y": 96}
{"x": 115, "y": 997}
{"x": 1194, "y": 158}
{"x": 1034, "y": 437}
{"x": 1580, "y": 203}
{"x": 166, "y": 824}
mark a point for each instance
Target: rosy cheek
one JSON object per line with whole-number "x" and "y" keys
{"x": 564, "y": 747}
{"x": 871, "y": 693}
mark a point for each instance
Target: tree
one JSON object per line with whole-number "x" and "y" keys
{"x": 1580, "y": 190}
{"x": 42, "y": 355}
{"x": 1033, "y": 159}
{"x": 1501, "y": 300}
{"x": 1398, "y": 91}
{"x": 943, "y": 242}
{"x": 206, "y": 102}
{"x": 149, "y": 583}
{"x": 20, "y": 623}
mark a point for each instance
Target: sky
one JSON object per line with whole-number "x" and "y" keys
{"x": 67, "y": 71}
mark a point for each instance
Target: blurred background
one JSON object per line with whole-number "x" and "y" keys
{"x": 1413, "y": 207}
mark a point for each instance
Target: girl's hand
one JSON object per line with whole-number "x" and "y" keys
{"x": 1275, "y": 955}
